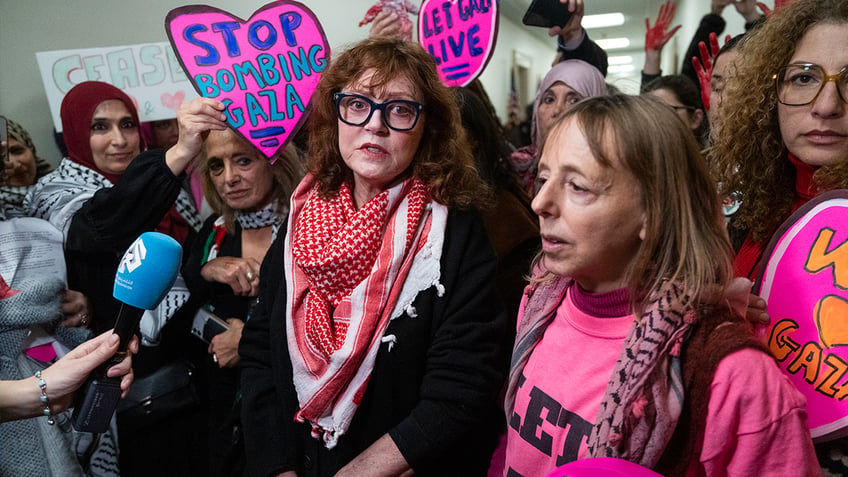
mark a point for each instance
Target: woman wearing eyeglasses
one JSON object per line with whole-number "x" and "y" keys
{"x": 379, "y": 345}
{"x": 681, "y": 95}
{"x": 784, "y": 133}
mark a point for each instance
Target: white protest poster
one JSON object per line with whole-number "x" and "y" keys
{"x": 149, "y": 73}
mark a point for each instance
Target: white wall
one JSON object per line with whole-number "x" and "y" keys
{"x": 30, "y": 26}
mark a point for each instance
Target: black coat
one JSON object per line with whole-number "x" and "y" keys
{"x": 102, "y": 230}
{"x": 435, "y": 393}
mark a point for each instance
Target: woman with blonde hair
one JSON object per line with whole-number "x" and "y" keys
{"x": 250, "y": 198}
{"x": 628, "y": 345}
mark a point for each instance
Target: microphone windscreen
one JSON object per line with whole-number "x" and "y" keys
{"x": 148, "y": 270}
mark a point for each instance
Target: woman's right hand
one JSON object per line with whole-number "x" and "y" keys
{"x": 196, "y": 118}
{"x": 241, "y": 274}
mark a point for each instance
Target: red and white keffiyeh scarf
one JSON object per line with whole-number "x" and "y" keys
{"x": 346, "y": 271}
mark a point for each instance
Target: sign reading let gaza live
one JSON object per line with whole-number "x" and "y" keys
{"x": 460, "y": 35}
{"x": 804, "y": 279}
{"x": 264, "y": 69}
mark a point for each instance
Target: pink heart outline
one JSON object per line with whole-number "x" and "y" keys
{"x": 264, "y": 69}
{"x": 452, "y": 36}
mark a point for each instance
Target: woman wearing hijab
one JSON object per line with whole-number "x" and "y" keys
{"x": 105, "y": 193}
{"x": 102, "y": 197}
{"x": 21, "y": 169}
{"x": 564, "y": 85}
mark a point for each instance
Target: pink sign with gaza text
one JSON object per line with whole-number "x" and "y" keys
{"x": 460, "y": 35}
{"x": 804, "y": 280}
{"x": 264, "y": 69}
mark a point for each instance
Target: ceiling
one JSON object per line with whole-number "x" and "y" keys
{"x": 635, "y": 12}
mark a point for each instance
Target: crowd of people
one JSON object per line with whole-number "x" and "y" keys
{"x": 408, "y": 290}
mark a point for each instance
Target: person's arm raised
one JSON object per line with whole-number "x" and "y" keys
{"x": 657, "y": 36}
{"x": 196, "y": 118}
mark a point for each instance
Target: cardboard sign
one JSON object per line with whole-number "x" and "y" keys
{"x": 460, "y": 35}
{"x": 804, "y": 280}
{"x": 264, "y": 69}
{"x": 149, "y": 73}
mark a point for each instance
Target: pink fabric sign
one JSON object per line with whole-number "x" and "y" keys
{"x": 264, "y": 69}
{"x": 460, "y": 35}
{"x": 804, "y": 280}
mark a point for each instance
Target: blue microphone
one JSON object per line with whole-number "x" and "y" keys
{"x": 146, "y": 272}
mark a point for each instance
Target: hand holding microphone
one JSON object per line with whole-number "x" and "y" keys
{"x": 147, "y": 271}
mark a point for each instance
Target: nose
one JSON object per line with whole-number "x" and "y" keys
{"x": 231, "y": 174}
{"x": 543, "y": 203}
{"x": 376, "y": 124}
{"x": 829, "y": 102}
{"x": 119, "y": 136}
{"x": 560, "y": 107}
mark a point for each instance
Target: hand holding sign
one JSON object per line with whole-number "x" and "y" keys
{"x": 264, "y": 70}
{"x": 196, "y": 119}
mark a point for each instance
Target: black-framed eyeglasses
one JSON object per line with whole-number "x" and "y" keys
{"x": 800, "y": 84}
{"x": 398, "y": 114}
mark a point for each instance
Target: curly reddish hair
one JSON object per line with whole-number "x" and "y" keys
{"x": 443, "y": 160}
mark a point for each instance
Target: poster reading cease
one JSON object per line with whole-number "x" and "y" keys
{"x": 805, "y": 283}
{"x": 264, "y": 69}
{"x": 460, "y": 35}
{"x": 149, "y": 73}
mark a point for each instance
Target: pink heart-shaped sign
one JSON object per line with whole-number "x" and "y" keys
{"x": 460, "y": 35}
{"x": 804, "y": 280}
{"x": 264, "y": 69}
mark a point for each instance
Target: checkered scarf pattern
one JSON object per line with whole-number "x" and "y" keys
{"x": 348, "y": 268}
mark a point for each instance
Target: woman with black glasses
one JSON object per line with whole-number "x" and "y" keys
{"x": 379, "y": 344}
{"x": 784, "y": 138}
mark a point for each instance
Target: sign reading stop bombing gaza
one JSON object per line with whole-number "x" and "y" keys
{"x": 264, "y": 69}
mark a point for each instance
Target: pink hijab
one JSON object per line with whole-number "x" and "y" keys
{"x": 578, "y": 75}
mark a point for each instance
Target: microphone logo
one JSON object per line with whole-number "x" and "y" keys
{"x": 133, "y": 257}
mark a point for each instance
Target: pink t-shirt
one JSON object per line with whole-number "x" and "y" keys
{"x": 561, "y": 390}
{"x": 756, "y": 421}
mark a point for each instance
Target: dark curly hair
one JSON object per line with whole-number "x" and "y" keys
{"x": 748, "y": 155}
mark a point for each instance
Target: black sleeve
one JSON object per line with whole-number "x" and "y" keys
{"x": 588, "y": 51}
{"x": 267, "y": 414}
{"x": 709, "y": 24}
{"x": 467, "y": 359}
{"x": 115, "y": 216}
{"x": 646, "y": 78}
